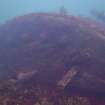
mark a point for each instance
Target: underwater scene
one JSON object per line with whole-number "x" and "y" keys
{"x": 52, "y": 52}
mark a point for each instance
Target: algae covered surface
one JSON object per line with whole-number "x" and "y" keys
{"x": 52, "y": 59}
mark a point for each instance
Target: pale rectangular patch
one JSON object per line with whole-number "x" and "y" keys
{"x": 67, "y": 77}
